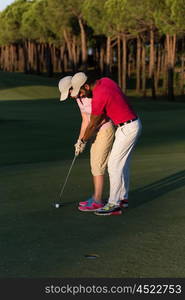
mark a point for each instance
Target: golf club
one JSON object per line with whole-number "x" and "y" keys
{"x": 58, "y": 203}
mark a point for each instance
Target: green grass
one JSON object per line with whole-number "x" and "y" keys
{"x": 36, "y": 150}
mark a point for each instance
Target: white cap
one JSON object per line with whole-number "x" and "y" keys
{"x": 77, "y": 81}
{"x": 64, "y": 85}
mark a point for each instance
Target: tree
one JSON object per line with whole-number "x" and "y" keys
{"x": 35, "y": 28}
{"x": 10, "y": 29}
{"x": 133, "y": 20}
{"x": 97, "y": 17}
{"x": 124, "y": 18}
{"x": 169, "y": 17}
{"x": 67, "y": 19}
{"x": 67, "y": 11}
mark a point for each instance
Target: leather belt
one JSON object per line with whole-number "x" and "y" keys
{"x": 127, "y": 122}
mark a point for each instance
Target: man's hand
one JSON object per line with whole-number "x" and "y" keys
{"x": 79, "y": 147}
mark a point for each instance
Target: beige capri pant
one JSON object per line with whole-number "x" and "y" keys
{"x": 100, "y": 149}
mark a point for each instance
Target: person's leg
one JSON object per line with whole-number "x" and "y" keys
{"x": 99, "y": 153}
{"x": 98, "y": 187}
{"x": 123, "y": 199}
{"x": 118, "y": 165}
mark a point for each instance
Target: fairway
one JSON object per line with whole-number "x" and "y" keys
{"x": 38, "y": 133}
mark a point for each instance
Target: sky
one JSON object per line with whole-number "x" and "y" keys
{"x": 4, "y": 3}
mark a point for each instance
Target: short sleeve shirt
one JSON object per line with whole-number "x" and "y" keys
{"x": 85, "y": 106}
{"x": 108, "y": 99}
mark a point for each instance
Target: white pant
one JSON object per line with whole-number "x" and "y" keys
{"x": 118, "y": 165}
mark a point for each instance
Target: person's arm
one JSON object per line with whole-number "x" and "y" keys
{"x": 99, "y": 101}
{"x": 80, "y": 146}
{"x": 84, "y": 124}
{"x": 91, "y": 128}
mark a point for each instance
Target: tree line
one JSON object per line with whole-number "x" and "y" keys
{"x": 140, "y": 39}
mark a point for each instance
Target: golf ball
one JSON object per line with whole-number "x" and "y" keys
{"x": 57, "y": 205}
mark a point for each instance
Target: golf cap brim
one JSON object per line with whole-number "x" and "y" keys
{"x": 64, "y": 95}
{"x": 77, "y": 82}
{"x": 64, "y": 85}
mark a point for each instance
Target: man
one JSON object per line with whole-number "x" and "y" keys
{"x": 109, "y": 101}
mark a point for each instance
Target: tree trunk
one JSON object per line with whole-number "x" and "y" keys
{"x": 129, "y": 65}
{"x": 6, "y": 57}
{"x": 152, "y": 64}
{"x": 158, "y": 73}
{"x": 31, "y": 58}
{"x": 37, "y": 58}
{"x": 1, "y": 57}
{"x": 12, "y": 58}
{"x": 96, "y": 58}
{"x": 78, "y": 54}
{"x": 25, "y": 57}
{"x": 143, "y": 70}
{"x": 138, "y": 68}
{"x": 83, "y": 45}
{"x": 170, "y": 83}
{"x": 182, "y": 74}
{"x": 74, "y": 53}
{"x": 165, "y": 63}
{"x": 49, "y": 65}
{"x": 69, "y": 49}
{"x": 171, "y": 46}
{"x": 65, "y": 62}
{"x": 61, "y": 58}
{"x": 108, "y": 56}
{"x": 182, "y": 69}
{"x": 21, "y": 60}
{"x": 112, "y": 54}
{"x": 124, "y": 64}
{"x": 42, "y": 58}
{"x": 119, "y": 60}
{"x": 102, "y": 59}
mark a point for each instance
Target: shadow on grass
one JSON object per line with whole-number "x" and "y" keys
{"x": 157, "y": 189}
{"x": 154, "y": 190}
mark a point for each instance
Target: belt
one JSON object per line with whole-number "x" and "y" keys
{"x": 127, "y": 122}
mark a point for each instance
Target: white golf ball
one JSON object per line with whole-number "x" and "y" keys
{"x": 57, "y": 205}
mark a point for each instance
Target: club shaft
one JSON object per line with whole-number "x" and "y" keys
{"x": 62, "y": 190}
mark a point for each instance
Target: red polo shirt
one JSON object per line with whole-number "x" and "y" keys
{"x": 108, "y": 99}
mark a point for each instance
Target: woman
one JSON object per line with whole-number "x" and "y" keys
{"x": 100, "y": 146}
